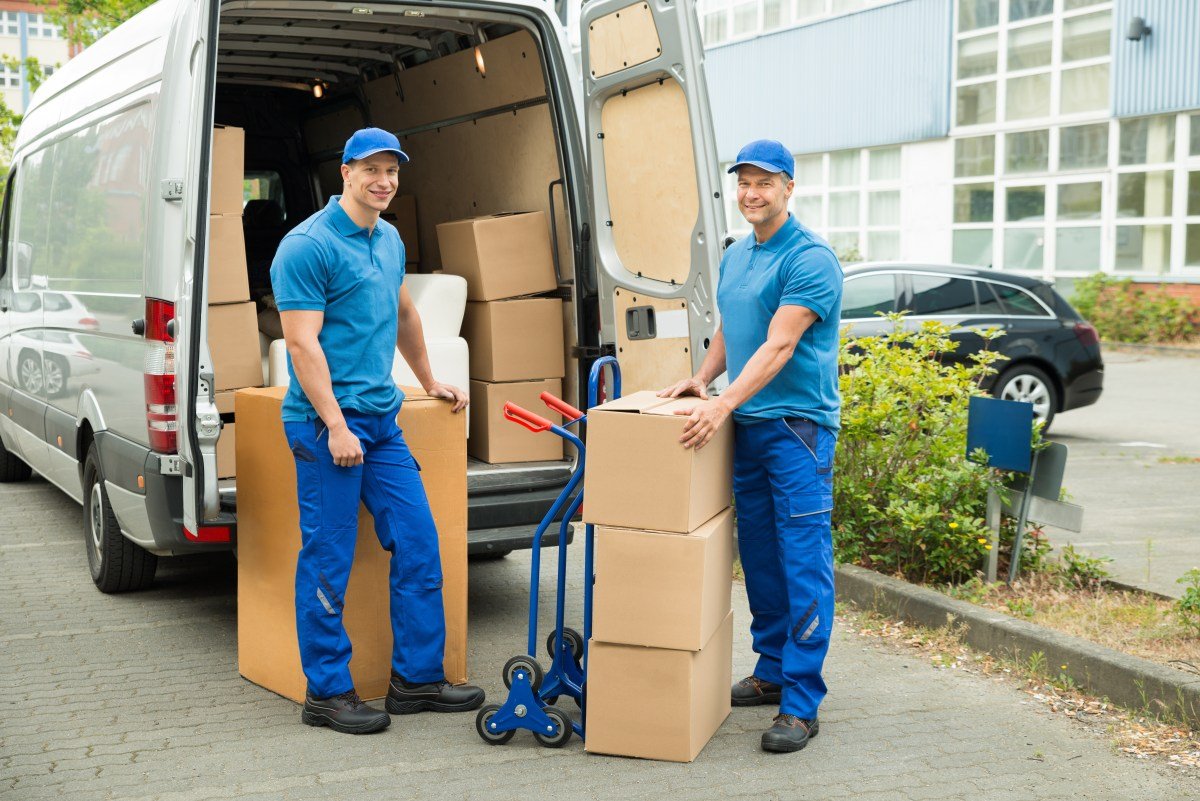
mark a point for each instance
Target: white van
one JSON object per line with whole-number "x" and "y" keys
{"x": 106, "y": 223}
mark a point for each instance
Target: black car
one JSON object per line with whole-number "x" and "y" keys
{"x": 1053, "y": 354}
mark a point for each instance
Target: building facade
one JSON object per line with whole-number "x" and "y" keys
{"x": 25, "y": 32}
{"x": 1054, "y": 137}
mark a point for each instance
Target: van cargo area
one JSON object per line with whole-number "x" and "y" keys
{"x": 466, "y": 92}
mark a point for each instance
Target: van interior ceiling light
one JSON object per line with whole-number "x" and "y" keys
{"x": 479, "y": 65}
{"x": 1137, "y": 29}
{"x": 318, "y": 90}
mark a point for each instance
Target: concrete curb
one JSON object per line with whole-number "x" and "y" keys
{"x": 1159, "y": 350}
{"x": 1129, "y": 681}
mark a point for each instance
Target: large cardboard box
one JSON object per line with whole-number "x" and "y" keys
{"x": 663, "y": 590}
{"x": 657, "y": 703}
{"x": 639, "y": 476}
{"x": 227, "y": 442}
{"x": 228, "y": 169}
{"x": 500, "y": 255}
{"x": 515, "y": 340}
{"x": 402, "y": 213}
{"x": 499, "y": 441}
{"x": 269, "y": 541}
{"x": 233, "y": 345}
{"x": 228, "y": 277}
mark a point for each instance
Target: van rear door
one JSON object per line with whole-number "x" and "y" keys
{"x": 659, "y": 220}
{"x": 199, "y": 422}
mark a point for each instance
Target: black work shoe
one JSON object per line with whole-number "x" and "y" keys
{"x": 345, "y": 713}
{"x": 752, "y": 691}
{"x": 404, "y": 698}
{"x": 789, "y": 733}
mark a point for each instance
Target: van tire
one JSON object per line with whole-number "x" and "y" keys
{"x": 116, "y": 564}
{"x": 11, "y": 467}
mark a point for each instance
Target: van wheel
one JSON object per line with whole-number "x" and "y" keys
{"x": 12, "y": 468}
{"x": 117, "y": 565}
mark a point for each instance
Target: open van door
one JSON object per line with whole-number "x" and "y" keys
{"x": 656, "y": 192}
{"x": 199, "y": 422}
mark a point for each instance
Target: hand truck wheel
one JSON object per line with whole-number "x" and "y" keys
{"x": 560, "y": 737}
{"x": 574, "y": 641}
{"x": 523, "y": 664}
{"x": 481, "y": 726}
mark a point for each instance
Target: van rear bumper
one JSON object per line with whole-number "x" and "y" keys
{"x": 164, "y": 508}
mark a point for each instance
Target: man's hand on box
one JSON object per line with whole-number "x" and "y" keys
{"x": 451, "y": 393}
{"x": 688, "y": 386}
{"x": 344, "y": 447}
{"x": 703, "y": 421}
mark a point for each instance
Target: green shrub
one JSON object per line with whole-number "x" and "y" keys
{"x": 907, "y": 501}
{"x": 1080, "y": 570}
{"x": 1187, "y": 608}
{"x": 1126, "y": 312}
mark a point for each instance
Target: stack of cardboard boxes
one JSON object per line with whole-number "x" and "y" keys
{"x": 516, "y": 341}
{"x": 659, "y": 662}
{"x": 232, "y": 319}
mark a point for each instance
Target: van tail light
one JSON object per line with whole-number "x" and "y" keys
{"x": 1087, "y": 334}
{"x": 90, "y": 323}
{"x": 159, "y": 374}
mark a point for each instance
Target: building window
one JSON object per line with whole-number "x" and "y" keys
{"x": 12, "y": 23}
{"x": 40, "y": 28}
{"x": 727, "y": 20}
{"x": 10, "y": 77}
{"x": 975, "y": 14}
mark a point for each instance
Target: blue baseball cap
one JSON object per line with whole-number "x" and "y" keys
{"x": 369, "y": 141}
{"x": 766, "y": 154}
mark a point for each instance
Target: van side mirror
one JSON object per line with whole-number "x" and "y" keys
{"x": 22, "y": 254}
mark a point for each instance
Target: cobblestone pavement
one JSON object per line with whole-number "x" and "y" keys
{"x": 138, "y": 696}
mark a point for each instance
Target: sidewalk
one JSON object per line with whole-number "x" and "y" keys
{"x": 138, "y": 696}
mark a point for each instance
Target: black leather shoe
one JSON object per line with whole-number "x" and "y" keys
{"x": 789, "y": 733}
{"x": 752, "y": 691}
{"x": 404, "y": 698}
{"x": 345, "y": 713}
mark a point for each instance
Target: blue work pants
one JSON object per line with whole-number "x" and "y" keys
{"x": 389, "y": 483}
{"x": 783, "y": 492}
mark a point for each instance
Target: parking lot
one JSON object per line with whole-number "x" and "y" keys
{"x": 138, "y": 696}
{"x": 1134, "y": 466}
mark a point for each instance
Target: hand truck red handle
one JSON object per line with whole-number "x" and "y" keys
{"x": 526, "y": 418}
{"x": 561, "y": 406}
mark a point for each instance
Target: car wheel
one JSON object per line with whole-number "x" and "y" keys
{"x": 29, "y": 372}
{"x": 12, "y": 468}
{"x": 117, "y": 565}
{"x": 54, "y": 376}
{"x": 1030, "y": 384}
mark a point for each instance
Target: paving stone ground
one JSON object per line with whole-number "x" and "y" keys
{"x": 138, "y": 697}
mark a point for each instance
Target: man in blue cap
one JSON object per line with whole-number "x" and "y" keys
{"x": 338, "y": 281}
{"x": 780, "y": 295}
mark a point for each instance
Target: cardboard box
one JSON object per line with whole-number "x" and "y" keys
{"x": 656, "y": 703}
{"x": 515, "y": 340}
{"x": 639, "y": 476}
{"x": 663, "y": 590}
{"x": 402, "y": 213}
{"x": 498, "y": 441}
{"x": 228, "y": 169}
{"x": 227, "y": 442}
{"x": 228, "y": 277}
{"x": 269, "y": 541}
{"x": 234, "y": 347}
{"x": 500, "y": 255}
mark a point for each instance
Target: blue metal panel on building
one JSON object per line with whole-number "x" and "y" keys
{"x": 1160, "y": 73}
{"x": 875, "y": 77}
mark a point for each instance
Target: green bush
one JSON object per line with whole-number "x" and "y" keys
{"x": 1187, "y": 608}
{"x": 907, "y": 501}
{"x": 1123, "y": 311}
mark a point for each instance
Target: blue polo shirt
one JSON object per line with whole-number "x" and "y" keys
{"x": 327, "y": 263}
{"x": 795, "y": 267}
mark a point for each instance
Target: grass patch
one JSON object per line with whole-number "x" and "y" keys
{"x": 1132, "y": 622}
{"x": 1179, "y": 460}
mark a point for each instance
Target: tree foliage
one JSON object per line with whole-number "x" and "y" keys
{"x": 85, "y": 21}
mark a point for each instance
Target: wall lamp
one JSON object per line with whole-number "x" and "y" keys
{"x": 1137, "y": 29}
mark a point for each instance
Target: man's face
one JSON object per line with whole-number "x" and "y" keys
{"x": 372, "y": 181}
{"x": 762, "y": 195}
